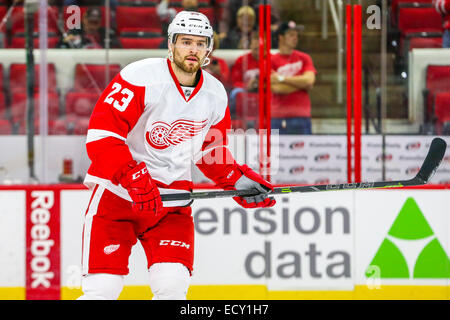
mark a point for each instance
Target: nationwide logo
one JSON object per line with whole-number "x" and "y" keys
{"x": 387, "y": 157}
{"x": 322, "y": 157}
{"x": 297, "y": 170}
{"x": 413, "y": 146}
{"x": 410, "y": 226}
{"x": 297, "y": 145}
{"x": 162, "y": 135}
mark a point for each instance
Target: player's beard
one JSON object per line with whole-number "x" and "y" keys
{"x": 184, "y": 64}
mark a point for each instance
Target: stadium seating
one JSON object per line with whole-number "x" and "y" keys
{"x": 134, "y": 19}
{"x": 442, "y": 111}
{"x": 2, "y": 75}
{"x": 423, "y": 42}
{"x": 141, "y": 42}
{"x": 81, "y": 126}
{"x": 5, "y": 126}
{"x": 18, "y": 77}
{"x": 418, "y": 19}
{"x": 19, "y": 42}
{"x": 80, "y": 104}
{"x": 437, "y": 80}
{"x": 3, "y": 10}
{"x": 209, "y": 12}
{"x": 3, "y": 111}
{"x": 17, "y": 19}
{"x": 396, "y": 3}
{"x": 90, "y": 77}
{"x": 19, "y": 104}
{"x": 55, "y": 127}
{"x": 247, "y": 105}
{"x": 148, "y": 3}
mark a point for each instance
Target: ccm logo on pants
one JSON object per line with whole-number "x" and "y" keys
{"x": 174, "y": 243}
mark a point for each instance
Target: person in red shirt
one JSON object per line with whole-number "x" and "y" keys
{"x": 443, "y": 7}
{"x": 292, "y": 77}
{"x": 245, "y": 80}
{"x": 218, "y": 67}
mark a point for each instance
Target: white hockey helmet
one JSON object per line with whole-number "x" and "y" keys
{"x": 193, "y": 23}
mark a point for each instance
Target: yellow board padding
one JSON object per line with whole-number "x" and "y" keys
{"x": 260, "y": 292}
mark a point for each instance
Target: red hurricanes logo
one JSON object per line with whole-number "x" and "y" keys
{"x": 413, "y": 146}
{"x": 163, "y": 135}
{"x": 322, "y": 157}
{"x": 297, "y": 145}
{"x": 297, "y": 170}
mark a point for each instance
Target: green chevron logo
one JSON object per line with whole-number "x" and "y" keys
{"x": 410, "y": 225}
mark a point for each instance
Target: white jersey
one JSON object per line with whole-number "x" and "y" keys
{"x": 145, "y": 115}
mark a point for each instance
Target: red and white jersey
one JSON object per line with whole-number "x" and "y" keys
{"x": 145, "y": 115}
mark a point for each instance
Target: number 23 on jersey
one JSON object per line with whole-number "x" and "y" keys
{"x": 125, "y": 99}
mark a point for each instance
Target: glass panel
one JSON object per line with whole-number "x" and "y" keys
{"x": 404, "y": 80}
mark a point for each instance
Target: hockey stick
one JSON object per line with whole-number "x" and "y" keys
{"x": 429, "y": 167}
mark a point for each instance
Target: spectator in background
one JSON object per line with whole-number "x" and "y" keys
{"x": 166, "y": 14}
{"x": 229, "y": 17}
{"x": 91, "y": 35}
{"x": 112, "y": 3}
{"x": 292, "y": 77}
{"x": 218, "y": 67}
{"x": 239, "y": 36}
{"x": 245, "y": 72}
{"x": 443, "y": 7}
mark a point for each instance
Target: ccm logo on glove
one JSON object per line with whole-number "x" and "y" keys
{"x": 138, "y": 174}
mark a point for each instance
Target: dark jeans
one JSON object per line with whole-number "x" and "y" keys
{"x": 299, "y": 125}
{"x": 446, "y": 39}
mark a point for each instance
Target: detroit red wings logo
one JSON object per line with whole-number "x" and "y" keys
{"x": 163, "y": 135}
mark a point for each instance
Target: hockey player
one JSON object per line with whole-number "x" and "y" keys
{"x": 156, "y": 117}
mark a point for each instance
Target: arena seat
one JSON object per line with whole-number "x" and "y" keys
{"x": 247, "y": 105}
{"x": 3, "y": 10}
{"x": 55, "y": 127}
{"x": 2, "y": 75}
{"x": 3, "y": 111}
{"x": 18, "y": 77}
{"x": 81, "y": 126}
{"x": 209, "y": 12}
{"x": 80, "y": 104}
{"x": 148, "y": 3}
{"x": 19, "y": 101}
{"x": 442, "y": 110}
{"x": 437, "y": 80}
{"x": 90, "y": 77}
{"x": 396, "y": 3}
{"x": 19, "y": 42}
{"x": 141, "y": 42}
{"x": 18, "y": 20}
{"x": 424, "y": 42}
{"x": 5, "y": 126}
{"x": 143, "y": 19}
{"x": 418, "y": 19}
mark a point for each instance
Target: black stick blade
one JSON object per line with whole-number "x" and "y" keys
{"x": 432, "y": 160}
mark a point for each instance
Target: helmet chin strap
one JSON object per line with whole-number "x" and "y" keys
{"x": 206, "y": 60}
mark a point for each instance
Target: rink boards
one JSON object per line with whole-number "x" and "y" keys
{"x": 371, "y": 244}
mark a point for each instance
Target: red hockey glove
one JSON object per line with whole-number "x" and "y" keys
{"x": 137, "y": 180}
{"x": 251, "y": 180}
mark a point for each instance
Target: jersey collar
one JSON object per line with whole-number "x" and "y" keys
{"x": 177, "y": 83}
